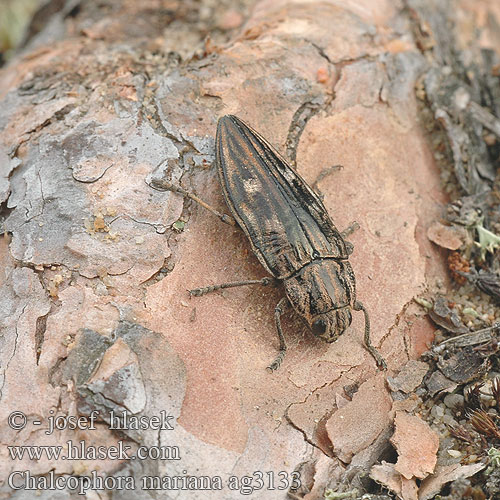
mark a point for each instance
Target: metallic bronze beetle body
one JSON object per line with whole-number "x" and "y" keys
{"x": 290, "y": 232}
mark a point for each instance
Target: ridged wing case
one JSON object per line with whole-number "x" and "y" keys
{"x": 284, "y": 219}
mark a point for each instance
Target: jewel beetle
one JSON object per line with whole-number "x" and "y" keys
{"x": 289, "y": 231}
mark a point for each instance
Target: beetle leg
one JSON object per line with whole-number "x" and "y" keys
{"x": 353, "y": 226}
{"x": 358, "y": 306}
{"x": 349, "y": 247}
{"x": 325, "y": 172}
{"x": 277, "y": 317}
{"x": 197, "y": 292}
{"x": 164, "y": 185}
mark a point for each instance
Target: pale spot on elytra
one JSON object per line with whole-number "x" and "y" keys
{"x": 252, "y": 185}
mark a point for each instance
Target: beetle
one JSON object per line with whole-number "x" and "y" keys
{"x": 289, "y": 231}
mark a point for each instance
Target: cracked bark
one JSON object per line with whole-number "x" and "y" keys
{"x": 91, "y": 136}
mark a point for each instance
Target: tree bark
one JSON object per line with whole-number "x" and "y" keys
{"x": 96, "y": 315}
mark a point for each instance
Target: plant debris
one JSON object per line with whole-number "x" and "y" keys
{"x": 457, "y": 398}
{"x": 445, "y": 317}
{"x": 444, "y": 236}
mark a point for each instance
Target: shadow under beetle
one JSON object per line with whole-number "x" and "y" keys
{"x": 289, "y": 231}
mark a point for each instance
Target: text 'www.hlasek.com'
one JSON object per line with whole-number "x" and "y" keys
{"x": 88, "y": 462}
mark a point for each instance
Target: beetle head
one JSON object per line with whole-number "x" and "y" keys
{"x": 330, "y": 325}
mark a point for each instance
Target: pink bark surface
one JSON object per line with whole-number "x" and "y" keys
{"x": 416, "y": 444}
{"x": 98, "y": 316}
